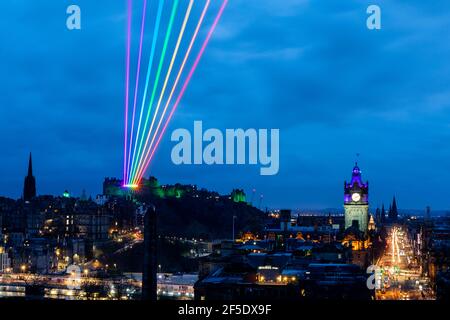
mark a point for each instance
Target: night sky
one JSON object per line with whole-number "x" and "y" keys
{"x": 310, "y": 68}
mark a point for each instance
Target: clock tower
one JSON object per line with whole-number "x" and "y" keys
{"x": 356, "y": 201}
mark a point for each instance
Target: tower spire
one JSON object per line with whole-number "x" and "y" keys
{"x": 29, "y": 188}
{"x": 394, "y": 209}
{"x": 30, "y": 166}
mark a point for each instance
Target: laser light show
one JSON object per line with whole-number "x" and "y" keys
{"x": 180, "y": 33}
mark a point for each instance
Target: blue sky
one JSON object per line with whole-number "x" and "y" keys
{"x": 310, "y": 68}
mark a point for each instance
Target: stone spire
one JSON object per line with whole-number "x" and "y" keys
{"x": 29, "y": 188}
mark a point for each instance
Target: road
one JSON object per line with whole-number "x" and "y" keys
{"x": 400, "y": 276}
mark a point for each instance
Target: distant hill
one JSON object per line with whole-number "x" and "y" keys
{"x": 172, "y": 257}
{"x": 206, "y": 218}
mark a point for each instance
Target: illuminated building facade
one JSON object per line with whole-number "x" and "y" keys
{"x": 5, "y": 261}
{"x": 356, "y": 201}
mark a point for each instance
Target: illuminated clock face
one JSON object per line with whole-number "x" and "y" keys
{"x": 356, "y": 197}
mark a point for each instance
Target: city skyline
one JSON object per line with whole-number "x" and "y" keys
{"x": 255, "y": 153}
{"x": 30, "y": 182}
{"x": 289, "y": 59}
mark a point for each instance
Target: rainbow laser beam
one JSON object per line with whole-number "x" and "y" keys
{"x": 149, "y": 71}
{"x": 158, "y": 74}
{"x": 136, "y": 88}
{"x": 169, "y": 72}
{"x": 185, "y": 85}
{"x": 127, "y": 85}
{"x": 191, "y": 44}
{"x": 136, "y": 165}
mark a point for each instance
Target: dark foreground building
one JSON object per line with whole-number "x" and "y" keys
{"x": 252, "y": 271}
{"x": 149, "y": 282}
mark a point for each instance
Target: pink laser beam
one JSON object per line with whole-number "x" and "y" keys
{"x": 127, "y": 88}
{"x": 144, "y": 10}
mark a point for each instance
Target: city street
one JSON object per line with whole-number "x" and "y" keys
{"x": 400, "y": 275}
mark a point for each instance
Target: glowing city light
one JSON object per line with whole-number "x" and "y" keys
{"x": 144, "y": 133}
{"x": 131, "y": 186}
